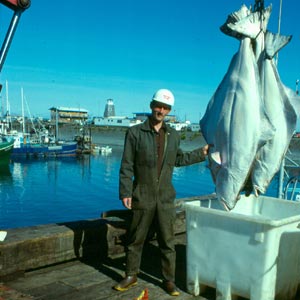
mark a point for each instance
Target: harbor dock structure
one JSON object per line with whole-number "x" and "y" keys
{"x": 84, "y": 260}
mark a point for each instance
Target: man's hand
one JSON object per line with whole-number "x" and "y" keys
{"x": 127, "y": 202}
{"x": 205, "y": 149}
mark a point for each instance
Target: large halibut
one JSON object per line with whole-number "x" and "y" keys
{"x": 280, "y": 111}
{"x": 236, "y": 124}
{"x": 235, "y": 121}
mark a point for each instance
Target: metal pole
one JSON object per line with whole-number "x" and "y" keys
{"x": 9, "y": 36}
{"x": 279, "y": 26}
{"x": 281, "y": 171}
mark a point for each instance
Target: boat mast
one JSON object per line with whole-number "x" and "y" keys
{"x": 23, "y": 115}
{"x": 8, "y": 117}
{"x": 56, "y": 125}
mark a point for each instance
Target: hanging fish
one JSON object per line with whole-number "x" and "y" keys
{"x": 277, "y": 104}
{"x": 235, "y": 121}
{"x": 280, "y": 111}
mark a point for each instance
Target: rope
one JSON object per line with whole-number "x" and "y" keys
{"x": 259, "y": 5}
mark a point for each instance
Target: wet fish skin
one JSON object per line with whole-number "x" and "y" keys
{"x": 281, "y": 113}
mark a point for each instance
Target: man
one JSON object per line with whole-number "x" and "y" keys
{"x": 150, "y": 154}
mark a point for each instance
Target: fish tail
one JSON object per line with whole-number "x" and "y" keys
{"x": 274, "y": 43}
{"x": 245, "y": 23}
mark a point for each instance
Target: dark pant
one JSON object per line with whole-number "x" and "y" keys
{"x": 163, "y": 220}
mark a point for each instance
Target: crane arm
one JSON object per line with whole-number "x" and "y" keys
{"x": 16, "y": 4}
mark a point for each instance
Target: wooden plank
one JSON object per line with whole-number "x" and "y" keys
{"x": 7, "y": 293}
{"x": 55, "y": 290}
{"x": 33, "y": 247}
{"x": 77, "y": 281}
{"x": 38, "y": 246}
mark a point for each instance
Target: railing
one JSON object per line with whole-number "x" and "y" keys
{"x": 291, "y": 179}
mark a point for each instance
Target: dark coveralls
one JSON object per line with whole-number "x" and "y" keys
{"x": 152, "y": 191}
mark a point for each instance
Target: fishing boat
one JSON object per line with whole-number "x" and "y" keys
{"x": 42, "y": 147}
{"x": 43, "y": 150}
{"x": 40, "y": 143}
{"x": 6, "y": 147}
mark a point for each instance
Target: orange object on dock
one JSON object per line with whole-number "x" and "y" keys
{"x": 143, "y": 295}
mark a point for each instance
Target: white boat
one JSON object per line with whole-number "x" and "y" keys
{"x": 105, "y": 149}
{"x": 102, "y": 149}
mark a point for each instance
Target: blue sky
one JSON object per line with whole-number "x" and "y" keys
{"x": 72, "y": 54}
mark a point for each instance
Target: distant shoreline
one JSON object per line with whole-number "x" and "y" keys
{"x": 115, "y": 137}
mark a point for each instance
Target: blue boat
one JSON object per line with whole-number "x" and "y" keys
{"x": 43, "y": 150}
{"x": 44, "y": 147}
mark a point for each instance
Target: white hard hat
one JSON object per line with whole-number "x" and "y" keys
{"x": 164, "y": 96}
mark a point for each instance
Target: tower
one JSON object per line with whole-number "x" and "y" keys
{"x": 109, "y": 109}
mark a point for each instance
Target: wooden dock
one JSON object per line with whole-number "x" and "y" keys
{"x": 79, "y": 280}
{"x": 84, "y": 260}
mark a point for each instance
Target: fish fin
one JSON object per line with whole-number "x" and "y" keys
{"x": 216, "y": 157}
{"x": 275, "y": 42}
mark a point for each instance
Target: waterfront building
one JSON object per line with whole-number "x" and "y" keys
{"x": 68, "y": 115}
{"x": 109, "y": 118}
{"x": 116, "y": 121}
{"x": 142, "y": 116}
{"x": 178, "y": 126}
{"x": 194, "y": 127}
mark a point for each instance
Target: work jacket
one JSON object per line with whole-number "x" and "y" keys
{"x": 139, "y": 178}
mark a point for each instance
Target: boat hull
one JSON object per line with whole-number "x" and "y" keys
{"x": 5, "y": 152}
{"x": 45, "y": 150}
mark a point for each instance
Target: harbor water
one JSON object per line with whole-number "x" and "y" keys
{"x": 42, "y": 191}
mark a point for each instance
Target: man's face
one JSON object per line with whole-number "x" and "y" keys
{"x": 159, "y": 110}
